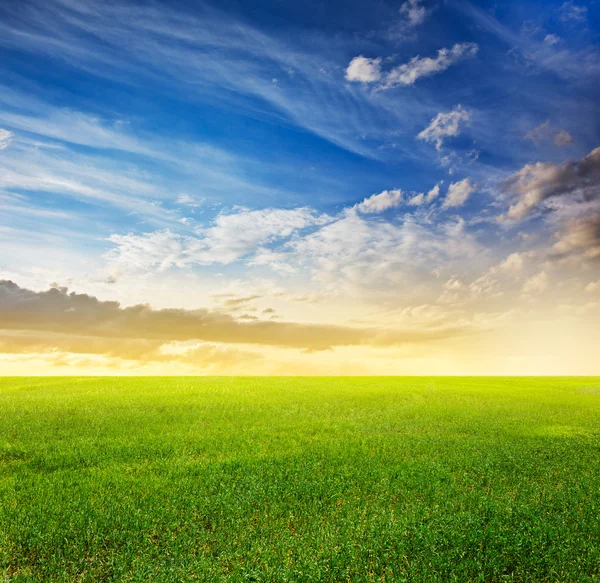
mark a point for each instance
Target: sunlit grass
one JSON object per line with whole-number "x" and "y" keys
{"x": 289, "y": 479}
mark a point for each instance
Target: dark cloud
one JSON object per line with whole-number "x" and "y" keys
{"x": 535, "y": 183}
{"x": 580, "y": 236}
{"x": 239, "y": 303}
{"x": 107, "y": 328}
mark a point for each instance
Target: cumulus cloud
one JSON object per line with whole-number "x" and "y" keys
{"x": 418, "y": 67}
{"x": 364, "y": 70}
{"x": 5, "y": 138}
{"x": 381, "y": 202}
{"x": 458, "y": 193}
{"x": 231, "y": 237}
{"x": 444, "y": 125}
{"x": 580, "y": 236}
{"x": 103, "y": 327}
{"x": 535, "y": 183}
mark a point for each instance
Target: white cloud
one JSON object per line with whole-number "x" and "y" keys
{"x": 422, "y": 198}
{"x": 418, "y": 67}
{"x": 572, "y": 12}
{"x": 414, "y": 12}
{"x": 458, "y": 193}
{"x": 364, "y": 70}
{"x": 536, "y": 284}
{"x": 5, "y": 138}
{"x": 381, "y": 202}
{"x": 371, "y": 253}
{"x": 230, "y": 238}
{"x": 513, "y": 263}
{"x": 444, "y": 125}
{"x": 188, "y": 200}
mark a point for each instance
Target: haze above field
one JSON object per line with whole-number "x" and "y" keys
{"x": 300, "y": 188}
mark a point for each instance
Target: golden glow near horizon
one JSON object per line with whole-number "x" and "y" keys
{"x": 59, "y": 333}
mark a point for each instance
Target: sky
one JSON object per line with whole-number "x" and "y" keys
{"x": 276, "y": 187}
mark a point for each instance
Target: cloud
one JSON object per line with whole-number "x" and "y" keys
{"x": 539, "y": 133}
{"x": 422, "y": 198}
{"x": 571, "y": 12}
{"x": 580, "y": 236}
{"x": 513, "y": 263}
{"x": 545, "y": 132}
{"x": 381, "y": 202}
{"x": 458, "y": 193}
{"x": 5, "y": 138}
{"x": 231, "y": 237}
{"x": 444, "y": 125}
{"x": 418, "y": 67}
{"x": 592, "y": 287}
{"x": 364, "y": 70}
{"x": 551, "y": 39}
{"x": 536, "y": 284}
{"x": 190, "y": 201}
{"x": 83, "y": 323}
{"x": 414, "y": 12}
{"x": 366, "y": 255}
{"x": 562, "y": 138}
{"x": 535, "y": 183}
{"x": 208, "y": 54}
{"x": 239, "y": 303}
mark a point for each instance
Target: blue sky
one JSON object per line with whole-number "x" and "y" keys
{"x": 353, "y": 159}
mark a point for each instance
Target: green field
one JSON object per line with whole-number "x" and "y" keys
{"x": 300, "y": 479}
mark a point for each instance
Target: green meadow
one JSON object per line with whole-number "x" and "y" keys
{"x": 300, "y": 479}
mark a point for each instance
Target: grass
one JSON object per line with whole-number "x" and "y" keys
{"x": 298, "y": 479}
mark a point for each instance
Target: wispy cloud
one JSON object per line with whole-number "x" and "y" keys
{"x": 545, "y": 131}
{"x": 571, "y": 12}
{"x": 5, "y": 138}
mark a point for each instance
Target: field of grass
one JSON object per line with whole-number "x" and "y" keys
{"x": 300, "y": 479}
